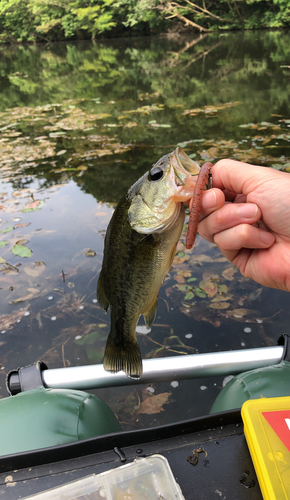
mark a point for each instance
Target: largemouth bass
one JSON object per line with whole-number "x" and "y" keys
{"x": 140, "y": 244}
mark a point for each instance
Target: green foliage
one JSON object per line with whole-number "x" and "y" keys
{"x": 40, "y": 20}
{"x": 94, "y": 18}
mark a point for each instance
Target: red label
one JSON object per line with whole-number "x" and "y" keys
{"x": 280, "y": 423}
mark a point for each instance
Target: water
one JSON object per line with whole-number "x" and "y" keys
{"x": 79, "y": 124}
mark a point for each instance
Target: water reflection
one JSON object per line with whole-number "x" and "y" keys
{"x": 79, "y": 124}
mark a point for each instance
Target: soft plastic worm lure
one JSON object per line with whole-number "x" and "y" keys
{"x": 203, "y": 182}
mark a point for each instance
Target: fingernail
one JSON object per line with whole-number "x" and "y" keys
{"x": 209, "y": 199}
{"x": 267, "y": 238}
{"x": 248, "y": 211}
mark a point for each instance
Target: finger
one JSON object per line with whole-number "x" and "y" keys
{"x": 211, "y": 200}
{"x": 237, "y": 177}
{"x": 244, "y": 236}
{"x": 228, "y": 216}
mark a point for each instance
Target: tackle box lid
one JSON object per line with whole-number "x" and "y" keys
{"x": 142, "y": 479}
{"x": 267, "y": 431}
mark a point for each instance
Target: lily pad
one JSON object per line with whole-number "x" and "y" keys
{"x": 7, "y": 230}
{"x": 200, "y": 293}
{"x": 90, "y": 338}
{"x": 3, "y": 243}
{"x": 35, "y": 205}
{"x": 21, "y": 251}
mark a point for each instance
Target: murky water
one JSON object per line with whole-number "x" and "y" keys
{"x": 79, "y": 124}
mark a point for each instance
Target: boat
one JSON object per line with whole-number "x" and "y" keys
{"x": 58, "y": 441}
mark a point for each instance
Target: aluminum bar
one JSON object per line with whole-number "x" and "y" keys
{"x": 165, "y": 369}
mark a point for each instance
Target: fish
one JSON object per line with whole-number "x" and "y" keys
{"x": 139, "y": 248}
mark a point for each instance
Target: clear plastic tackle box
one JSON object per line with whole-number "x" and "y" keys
{"x": 144, "y": 479}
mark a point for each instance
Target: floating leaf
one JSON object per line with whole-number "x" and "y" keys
{"x": 3, "y": 243}
{"x": 222, "y": 298}
{"x": 189, "y": 296}
{"x": 21, "y": 251}
{"x": 56, "y": 134}
{"x": 22, "y": 242}
{"x": 163, "y": 125}
{"x": 191, "y": 279}
{"x": 33, "y": 290}
{"x": 179, "y": 279}
{"x": 22, "y": 299}
{"x": 89, "y": 252}
{"x": 22, "y": 224}
{"x": 90, "y": 338}
{"x": 229, "y": 272}
{"x": 35, "y": 205}
{"x": 186, "y": 274}
{"x": 36, "y": 270}
{"x": 182, "y": 288}
{"x": 219, "y": 305}
{"x": 208, "y": 287}
{"x": 255, "y": 294}
{"x": 154, "y": 404}
{"x": 7, "y": 230}
{"x": 240, "y": 312}
{"x": 200, "y": 293}
{"x": 2, "y": 261}
{"x": 100, "y": 116}
{"x": 130, "y": 125}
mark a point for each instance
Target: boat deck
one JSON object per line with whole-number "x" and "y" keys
{"x": 222, "y": 470}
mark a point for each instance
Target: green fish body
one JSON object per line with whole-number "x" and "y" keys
{"x": 140, "y": 244}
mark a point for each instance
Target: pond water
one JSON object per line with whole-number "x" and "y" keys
{"x": 79, "y": 124}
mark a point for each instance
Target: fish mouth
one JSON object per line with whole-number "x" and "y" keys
{"x": 183, "y": 165}
{"x": 184, "y": 173}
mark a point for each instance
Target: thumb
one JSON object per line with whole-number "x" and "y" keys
{"x": 239, "y": 177}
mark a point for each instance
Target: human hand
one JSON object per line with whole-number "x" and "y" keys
{"x": 247, "y": 215}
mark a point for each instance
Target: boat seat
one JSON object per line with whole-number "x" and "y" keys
{"x": 268, "y": 382}
{"x": 41, "y": 418}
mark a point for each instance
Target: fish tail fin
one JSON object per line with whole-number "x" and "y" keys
{"x": 126, "y": 358}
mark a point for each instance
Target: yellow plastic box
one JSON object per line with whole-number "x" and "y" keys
{"x": 267, "y": 430}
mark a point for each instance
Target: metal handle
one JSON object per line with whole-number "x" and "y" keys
{"x": 165, "y": 369}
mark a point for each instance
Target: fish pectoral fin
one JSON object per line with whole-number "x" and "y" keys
{"x": 101, "y": 294}
{"x": 150, "y": 314}
{"x": 127, "y": 358}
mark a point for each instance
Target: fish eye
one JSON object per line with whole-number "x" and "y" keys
{"x": 155, "y": 174}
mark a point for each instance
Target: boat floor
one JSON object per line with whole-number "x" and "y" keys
{"x": 224, "y": 469}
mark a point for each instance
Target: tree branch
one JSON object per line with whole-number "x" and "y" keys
{"x": 210, "y": 14}
{"x": 171, "y": 6}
